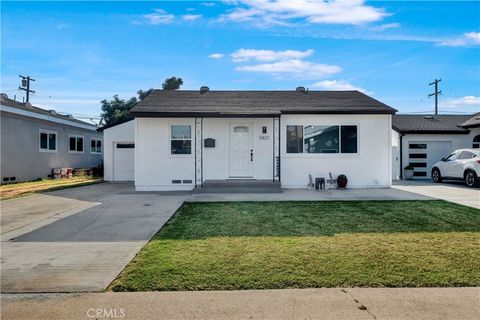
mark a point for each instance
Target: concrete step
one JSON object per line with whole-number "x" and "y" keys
{"x": 239, "y": 186}
{"x": 237, "y": 190}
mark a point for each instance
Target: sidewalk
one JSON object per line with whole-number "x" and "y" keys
{"x": 333, "y": 303}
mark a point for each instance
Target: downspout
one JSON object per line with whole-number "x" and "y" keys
{"x": 401, "y": 156}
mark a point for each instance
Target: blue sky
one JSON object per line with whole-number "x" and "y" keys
{"x": 82, "y": 52}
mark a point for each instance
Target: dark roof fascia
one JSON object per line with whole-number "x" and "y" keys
{"x": 244, "y": 115}
{"x": 339, "y": 112}
{"x": 108, "y": 126}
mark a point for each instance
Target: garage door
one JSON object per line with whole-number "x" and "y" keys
{"x": 422, "y": 155}
{"x": 124, "y": 162}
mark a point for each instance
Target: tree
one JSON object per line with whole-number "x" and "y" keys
{"x": 172, "y": 83}
{"x": 117, "y": 110}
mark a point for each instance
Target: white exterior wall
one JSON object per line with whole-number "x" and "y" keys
{"x": 124, "y": 132}
{"x": 156, "y": 167}
{"x": 370, "y": 167}
{"x": 458, "y": 141}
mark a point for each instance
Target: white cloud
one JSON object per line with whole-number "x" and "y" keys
{"x": 386, "y": 26}
{"x": 208, "y": 4}
{"x": 269, "y": 55}
{"x": 465, "y": 40}
{"x": 191, "y": 17}
{"x": 337, "y": 85}
{"x": 216, "y": 55}
{"x": 62, "y": 26}
{"x": 270, "y": 12}
{"x": 294, "y": 67}
{"x": 190, "y": 9}
{"x": 462, "y": 102}
{"x": 159, "y": 17}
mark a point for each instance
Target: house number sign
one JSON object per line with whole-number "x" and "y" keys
{"x": 264, "y": 137}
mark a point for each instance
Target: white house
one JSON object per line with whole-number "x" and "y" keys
{"x": 119, "y": 152}
{"x": 422, "y": 140}
{"x": 185, "y": 139}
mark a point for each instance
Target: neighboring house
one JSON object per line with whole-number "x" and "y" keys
{"x": 184, "y": 138}
{"x": 422, "y": 140}
{"x": 35, "y": 140}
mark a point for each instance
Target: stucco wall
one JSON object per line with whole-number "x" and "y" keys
{"x": 156, "y": 167}
{"x": 20, "y": 151}
{"x": 370, "y": 167}
{"x": 124, "y": 132}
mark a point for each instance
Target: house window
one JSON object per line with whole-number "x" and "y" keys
{"x": 96, "y": 146}
{"x": 476, "y": 142}
{"x": 349, "y": 139}
{"x": 322, "y": 139}
{"x": 181, "y": 139}
{"x": 48, "y": 141}
{"x": 294, "y": 139}
{"x": 76, "y": 144}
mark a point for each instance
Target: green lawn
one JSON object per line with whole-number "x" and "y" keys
{"x": 14, "y": 190}
{"x": 256, "y": 245}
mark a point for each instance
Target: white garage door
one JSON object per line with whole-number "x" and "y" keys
{"x": 422, "y": 155}
{"x": 124, "y": 161}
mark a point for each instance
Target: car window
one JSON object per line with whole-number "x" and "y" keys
{"x": 466, "y": 155}
{"x": 452, "y": 157}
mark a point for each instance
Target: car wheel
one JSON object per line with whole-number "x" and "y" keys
{"x": 436, "y": 177}
{"x": 470, "y": 178}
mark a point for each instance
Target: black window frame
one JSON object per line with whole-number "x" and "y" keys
{"x": 292, "y": 146}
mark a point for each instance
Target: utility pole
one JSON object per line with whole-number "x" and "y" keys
{"x": 436, "y": 93}
{"x": 26, "y": 86}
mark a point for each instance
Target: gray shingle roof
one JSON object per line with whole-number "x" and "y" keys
{"x": 473, "y": 122}
{"x": 429, "y": 123}
{"x": 256, "y": 103}
{"x": 51, "y": 113}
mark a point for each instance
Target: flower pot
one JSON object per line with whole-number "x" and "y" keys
{"x": 342, "y": 181}
{"x": 407, "y": 174}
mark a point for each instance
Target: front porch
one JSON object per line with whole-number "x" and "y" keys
{"x": 239, "y": 186}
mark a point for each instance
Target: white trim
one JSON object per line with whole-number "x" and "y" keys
{"x": 40, "y": 131}
{"x": 186, "y": 155}
{"x": 83, "y": 143}
{"x": 45, "y": 117}
{"x": 93, "y": 139}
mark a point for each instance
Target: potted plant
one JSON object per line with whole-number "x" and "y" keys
{"x": 342, "y": 181}
{"x": 408, "y": 172}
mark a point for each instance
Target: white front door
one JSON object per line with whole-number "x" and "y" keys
{"x": 241, "y": 151}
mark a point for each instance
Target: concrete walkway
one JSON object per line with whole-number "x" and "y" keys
{"x": 291, "y": 304}
{"x": 77, "y": 239}
{"x": 456, "y": 192}
{"x": 313, "y": 195}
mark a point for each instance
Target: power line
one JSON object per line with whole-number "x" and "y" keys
{"x": 436, "y": 93}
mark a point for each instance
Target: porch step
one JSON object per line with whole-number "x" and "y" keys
{"x": 239, "y": 186}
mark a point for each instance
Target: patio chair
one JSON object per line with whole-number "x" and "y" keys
{"x": 310, "y": 184}
{"x": 331, "y": 182}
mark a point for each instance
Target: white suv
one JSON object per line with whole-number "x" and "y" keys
{"x": 463, "y": 164}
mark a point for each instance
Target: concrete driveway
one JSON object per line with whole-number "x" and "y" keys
{"x": 456, "y": 192}
{"x": 77, "y": 239}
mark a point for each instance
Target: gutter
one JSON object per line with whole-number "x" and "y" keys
{"x": 401, "y": 155}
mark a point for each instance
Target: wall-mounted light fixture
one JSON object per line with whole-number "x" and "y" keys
{"x": 264, "y": 130}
